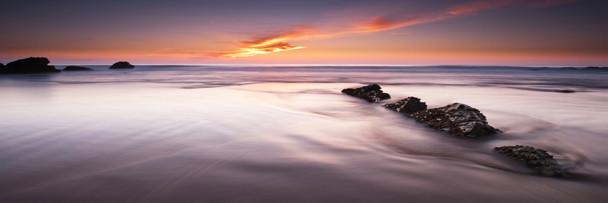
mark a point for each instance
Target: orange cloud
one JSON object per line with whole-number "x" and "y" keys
{"x": 271, "y": 44}
{"x": 382, "y": 24}
{"x": 279, "y": 42}
{"x": 265, "y": 48}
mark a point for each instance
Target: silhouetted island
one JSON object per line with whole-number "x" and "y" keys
{"x": 29, "y": 65}
{"x": 122, "y": 65}
{"x": 596, "y": 68}
{"x": 77, "y": 68}
{"x": 589, "y": 68}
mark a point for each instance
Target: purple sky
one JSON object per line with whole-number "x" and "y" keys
{"x": 494, "y": 32}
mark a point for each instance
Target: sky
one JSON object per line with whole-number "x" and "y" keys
{"x": 383, "y": 32}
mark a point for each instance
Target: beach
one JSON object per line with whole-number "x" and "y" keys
{"x": 287, "y": 134}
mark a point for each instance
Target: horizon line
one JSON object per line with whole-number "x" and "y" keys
{"x": 342, "y": 65}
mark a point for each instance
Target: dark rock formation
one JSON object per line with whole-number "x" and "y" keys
{"x": 407, "y": 106}
{"x": 537, "y": 159}
{"x": 594, "y": 68}
{"x": 77, "y": 68}
{"x": 565, "y": 91}
{"x": 122, "y": 65}
{"x": 29, "y": 65}
{"x": 456, "y": 119}
{"x": 371, "y": 93}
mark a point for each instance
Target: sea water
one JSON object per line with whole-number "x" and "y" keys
{"x": 287, "y": 134}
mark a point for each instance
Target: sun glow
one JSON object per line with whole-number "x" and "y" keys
{"x": 267, "y": 45}
{"x": 279, "y": 42}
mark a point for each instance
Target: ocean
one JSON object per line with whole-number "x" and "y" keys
{"x": 287, "y": 134}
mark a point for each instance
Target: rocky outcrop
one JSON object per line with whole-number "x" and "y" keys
{"x": 122, "y": 65}
{"x": 595, "y": 68}
{"x": 371, "y": 93}
{"x": 29, "y": 65}
{"x": 77, "y": 68}
{"x": 407, "y": 106}
{"x": 456, "y": 119}
{"x": 537, "y": 159}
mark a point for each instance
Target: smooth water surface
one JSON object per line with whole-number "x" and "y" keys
{"x": 287, "y": 134}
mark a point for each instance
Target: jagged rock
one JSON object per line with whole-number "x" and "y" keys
{"x": 29, "y": 65}
{"x": 407, "y": 106}
{"x": 537, "y": 159}
{"x": 371, "y": 93}
{"x": 77, "y": 68}
{"x": 122, "y": 65}
{"x": 456, "y": 119}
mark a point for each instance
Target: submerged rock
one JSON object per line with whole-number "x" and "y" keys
{"x": 537, "y": 159}
{"x": 371, "y": 93}
{"x": 77, "y": 68}
{"x": 456, "y": 119}
{"x": 407, "y": 106}
{"x": 122, "y": 65}
{"x": 29, "y": 65}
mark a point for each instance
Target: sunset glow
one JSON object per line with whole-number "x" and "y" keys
{"x": 541, "y": 32}
{"x": 304, "y": 101}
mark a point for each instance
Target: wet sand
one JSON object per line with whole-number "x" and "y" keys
{"x": 260, "y": 134}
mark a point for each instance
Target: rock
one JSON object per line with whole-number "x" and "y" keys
{"x": 407, "y": 106}
{"x": 77, "y": 68}
{"x": 29, "y": 65}
{"x": 122, "y": 65}
{"x": 456, "y": 119}
{"x": 565, "y": 91}
{"x": 537, "y": 159}
{"x": 595, "y": 68}
{"x": 371, "y": 93}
